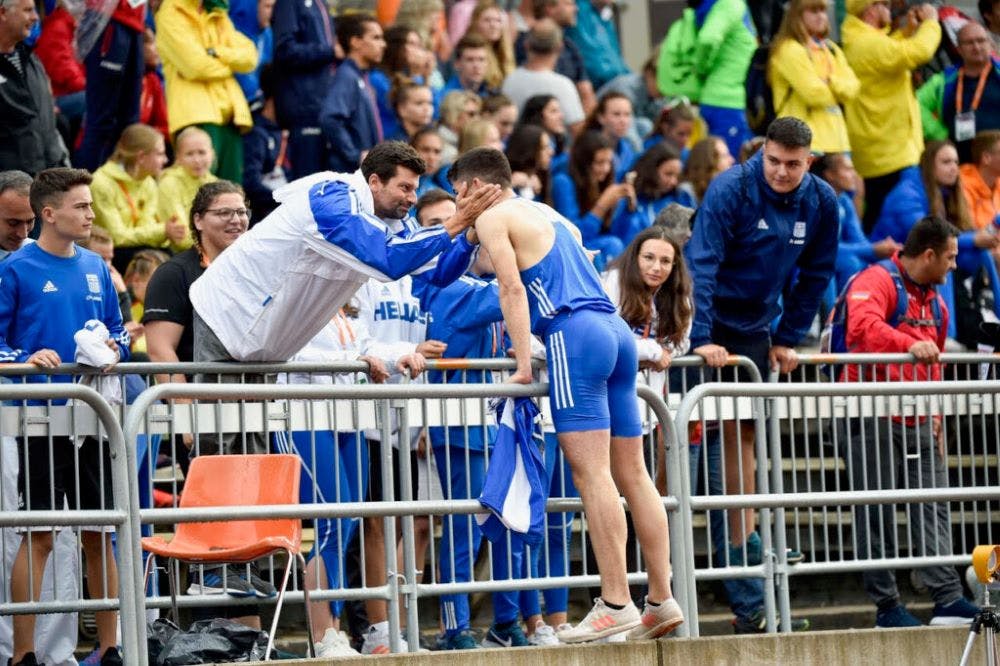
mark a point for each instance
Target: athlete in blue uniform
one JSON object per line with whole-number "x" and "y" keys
{"x": 549, "y": 286}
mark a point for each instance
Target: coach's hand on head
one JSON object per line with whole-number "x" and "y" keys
{"x": 472, "y": 200}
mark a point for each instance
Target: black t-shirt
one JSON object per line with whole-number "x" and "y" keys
{"x": 167, "y": 297}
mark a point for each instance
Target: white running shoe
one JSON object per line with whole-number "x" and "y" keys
{"x": 602, "y": 621}
{"x": 377, "y": 640}
{"x": 544, "y": 635}
{"x": 335, "y": 644}
{"x": 657, "y": 620}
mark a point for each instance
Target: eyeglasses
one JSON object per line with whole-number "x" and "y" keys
{"x": 228, "y": 214}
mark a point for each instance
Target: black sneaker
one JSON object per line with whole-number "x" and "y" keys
{"x": 757, "y": 623}
{"x": 27, "y": 660}
{"x": 261, "y": 587}
{"x": 111, "y": 657}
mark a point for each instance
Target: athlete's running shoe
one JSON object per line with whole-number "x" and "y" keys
{"x": 602, "y": 621}
{"x": 657, "y": 620}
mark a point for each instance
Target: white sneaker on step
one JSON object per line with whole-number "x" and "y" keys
{"x": 602, "y": 621}
{"x": 335, "y": 644}
{"x": 544, "y": 635}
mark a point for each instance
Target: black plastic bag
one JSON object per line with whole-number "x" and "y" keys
{"x": 158, "y": 634}
{"x": 205, "y": 642}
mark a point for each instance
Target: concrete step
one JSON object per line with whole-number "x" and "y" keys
{"x": 864, "y": 647}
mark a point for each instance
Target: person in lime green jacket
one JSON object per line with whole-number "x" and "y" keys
{"x": 883, "y": 121}
{"x": 979, "y": 87}
{"x": 201, "y": 50}
{"x": 809, "y": 75}
{"x": 180, "y": 182}
{"x": 126, "y": 197}
{"x": 726, "y": 40}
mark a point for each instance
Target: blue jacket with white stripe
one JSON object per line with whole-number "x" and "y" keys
{"x": 747, "y": 241}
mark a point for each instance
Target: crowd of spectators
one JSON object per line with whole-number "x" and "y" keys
{"x": 240, "y": 97}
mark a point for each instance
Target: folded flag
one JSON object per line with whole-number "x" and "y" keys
{"x": 515, "y": 489}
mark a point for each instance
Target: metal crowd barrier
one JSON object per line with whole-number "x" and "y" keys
{"x": 271, "y": 409}
{"x": 170, "y": 420}
{"x": 123, "y": 516}
{"x": 843, "y": 402}
{"x": 398, "y": 584}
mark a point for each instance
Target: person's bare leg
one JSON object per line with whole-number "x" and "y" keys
{"x": 421, "y": 541}
{"x": 660, "y": 482}
{"x": 374, "y": 552}
{"x": 588, "y": 456}
{"x": 101, "y": 567}
{"x": 556, "y": 619}
{"x": 319, "y": 611}
{"x": 648, "y": 515}
{"x": 741, "y": 461}
{"x": 40, "y": 544}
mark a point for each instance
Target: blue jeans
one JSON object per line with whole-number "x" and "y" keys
{"x": 746, "y": 595}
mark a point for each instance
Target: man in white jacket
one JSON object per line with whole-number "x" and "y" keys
{"x": 280, "y": 283}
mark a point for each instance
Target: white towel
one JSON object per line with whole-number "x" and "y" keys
{"x": 92, "y": 350}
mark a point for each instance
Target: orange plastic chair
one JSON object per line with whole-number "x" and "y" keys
{"x": 236, "y": 480}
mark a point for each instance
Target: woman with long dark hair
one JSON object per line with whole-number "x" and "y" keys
{"x": 406, "y": 57}
{"x": 613, "y": 117}
{"x": 650, "y": 285}
{"x": 587, "y": 194}
{"x": 529, "y": 151}
{"x": 658, "y": 175}
{"x": 545, "y": 111}
{"x": 933, "y": 188}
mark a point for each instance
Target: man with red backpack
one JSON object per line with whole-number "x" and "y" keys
{"x": 890, "y": 451}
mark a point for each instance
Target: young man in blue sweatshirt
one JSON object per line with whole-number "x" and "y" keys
{"x": 349, "y": 115}
{"x": 48, "y": 291}
{"x": 763, "y": 225}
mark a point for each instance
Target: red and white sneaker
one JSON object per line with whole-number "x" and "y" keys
{"x": 602, "y": 621}
{"x": 658, "y": 620}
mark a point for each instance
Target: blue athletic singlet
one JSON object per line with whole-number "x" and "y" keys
{"x": 591, "y": 353}
{"x": 564, "y": 281}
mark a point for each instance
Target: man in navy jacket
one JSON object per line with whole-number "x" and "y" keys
{"x": 349, "y": 115}
{"x": 762, "y": 226}
{"x": 304, "y": 53}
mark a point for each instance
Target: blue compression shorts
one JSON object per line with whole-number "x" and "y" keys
{"x": 592, "y": 369}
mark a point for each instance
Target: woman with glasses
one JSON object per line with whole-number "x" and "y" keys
{"x": 809, "y": 75}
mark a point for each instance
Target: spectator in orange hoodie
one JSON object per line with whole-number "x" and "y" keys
{"x": 981, "y": 179}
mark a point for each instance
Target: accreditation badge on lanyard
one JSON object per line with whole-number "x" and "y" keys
{"x": 965, "y": 123}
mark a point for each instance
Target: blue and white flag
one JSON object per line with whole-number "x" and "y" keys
{"x": 515, "y": 489}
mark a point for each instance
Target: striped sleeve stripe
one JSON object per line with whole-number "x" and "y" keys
{"x": 11, "y": 356}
